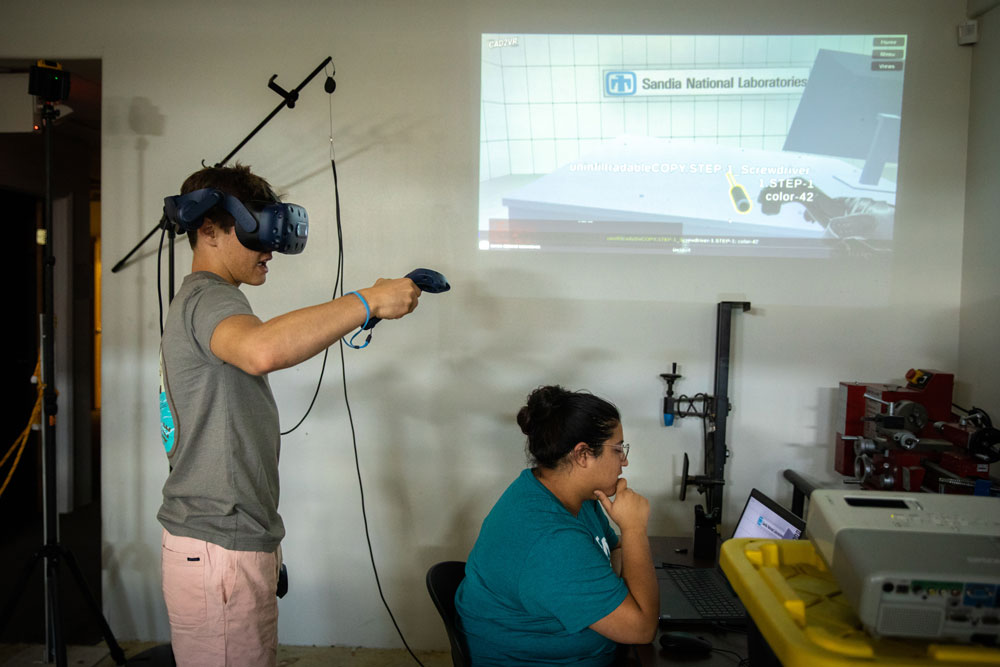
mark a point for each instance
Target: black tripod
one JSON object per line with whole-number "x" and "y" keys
{"x": 49, "y": 82}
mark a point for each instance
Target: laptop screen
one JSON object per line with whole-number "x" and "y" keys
{"x": 766, "y": 519}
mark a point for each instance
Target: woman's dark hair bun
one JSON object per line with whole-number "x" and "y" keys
{"x": 542, "y": 403}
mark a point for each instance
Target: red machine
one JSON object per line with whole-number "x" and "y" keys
{"x": 908, "y": 438}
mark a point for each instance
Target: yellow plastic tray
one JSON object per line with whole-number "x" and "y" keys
{"x": 798, "y": 608}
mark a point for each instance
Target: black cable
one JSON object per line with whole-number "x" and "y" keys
{"x": 340, "y": 258}
{"x": 350, "y": 415}
{"x": 336, "y": 284}
{"x": 691, "y": 410}
{"x": 364, "y": 514}
{"x": 319, "y": 383}
{"x": 722, "y": 626}
{"x": 159, "y": 277}
{"x": 742, "y": 660}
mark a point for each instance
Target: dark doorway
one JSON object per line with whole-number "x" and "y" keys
{"x": 76, "y": 160}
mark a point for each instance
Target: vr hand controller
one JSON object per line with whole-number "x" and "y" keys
{"x": 427, "y": 280}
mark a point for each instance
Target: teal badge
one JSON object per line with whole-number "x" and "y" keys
{"x": 166, "y": 423}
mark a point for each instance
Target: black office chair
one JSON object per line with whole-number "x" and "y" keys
{"x": 442, "y": 582}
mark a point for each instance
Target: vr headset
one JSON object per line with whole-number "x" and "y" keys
{"x": 277, "y": 227}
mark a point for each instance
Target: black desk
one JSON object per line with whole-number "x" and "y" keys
{"x": 664, "y": 550}
{"x": 802, "y": 488}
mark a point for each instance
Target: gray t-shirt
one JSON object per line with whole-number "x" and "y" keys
{"x": 219, "y": 427}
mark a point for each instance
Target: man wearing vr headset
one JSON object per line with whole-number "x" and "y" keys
{"x": 219, "y": 422}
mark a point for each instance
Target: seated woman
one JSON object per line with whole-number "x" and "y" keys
{"x": 540, "y": 585}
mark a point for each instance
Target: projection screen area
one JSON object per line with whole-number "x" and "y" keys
{"x": 770, "y": 146}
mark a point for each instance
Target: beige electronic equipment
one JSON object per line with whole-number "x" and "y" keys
{"x": 923, "y": 565}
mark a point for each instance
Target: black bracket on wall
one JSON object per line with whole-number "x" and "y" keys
{"x": 714, "y": 410}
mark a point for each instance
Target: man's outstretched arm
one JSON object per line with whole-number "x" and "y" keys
{"x": 258, "y": 347}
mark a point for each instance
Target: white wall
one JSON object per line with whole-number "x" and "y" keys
{"x": 979, "y": 363}
{"x": 434, "y": 396}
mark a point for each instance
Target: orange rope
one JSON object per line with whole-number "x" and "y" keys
{"x": 22, "y": 440}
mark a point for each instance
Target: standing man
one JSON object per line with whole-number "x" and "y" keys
{"x": 221, "y": 433}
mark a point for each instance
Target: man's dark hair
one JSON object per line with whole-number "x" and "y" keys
{"x": 237, "y": 181}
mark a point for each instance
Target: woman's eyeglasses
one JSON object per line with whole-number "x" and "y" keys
{"x": 622, "y": 450}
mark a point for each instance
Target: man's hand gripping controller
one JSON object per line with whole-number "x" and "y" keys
{"x": 427, "y": 280}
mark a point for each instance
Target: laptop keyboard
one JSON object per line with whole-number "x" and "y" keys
{"x": 701, "y": 587}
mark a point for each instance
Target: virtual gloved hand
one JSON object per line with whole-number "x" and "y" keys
{"x": 862, "y": 217}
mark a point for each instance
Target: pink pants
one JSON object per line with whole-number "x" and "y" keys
{"x": 222, "y": 605}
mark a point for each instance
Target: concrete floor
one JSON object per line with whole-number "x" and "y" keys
{"x": 25, "y": 655}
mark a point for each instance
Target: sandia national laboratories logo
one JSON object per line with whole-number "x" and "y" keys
{"x": 619, "y": 83}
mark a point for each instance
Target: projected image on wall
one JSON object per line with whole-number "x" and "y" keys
{"x": 777, "y": 146}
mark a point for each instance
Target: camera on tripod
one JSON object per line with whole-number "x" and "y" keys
{"x": 49, "y": 81}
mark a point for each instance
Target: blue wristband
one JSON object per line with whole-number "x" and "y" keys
{"x": 368, "y": 311}
{"x": 368, "y": 316}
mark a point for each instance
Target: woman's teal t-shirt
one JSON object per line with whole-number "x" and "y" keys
{"x": 536, "y": 579}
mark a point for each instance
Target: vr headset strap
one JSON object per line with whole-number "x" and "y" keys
{"x": 244, "y": 218}
{"x": 188, "y": 211}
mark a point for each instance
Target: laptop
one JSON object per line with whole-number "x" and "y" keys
{"x": 690, "y": 595}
